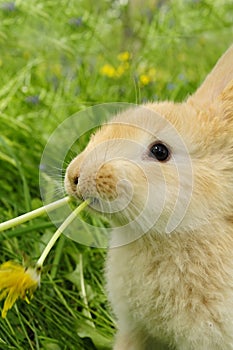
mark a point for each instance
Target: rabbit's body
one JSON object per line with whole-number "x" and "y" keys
{"x": 167, "y": 171}
{"x": 168, "y": 289}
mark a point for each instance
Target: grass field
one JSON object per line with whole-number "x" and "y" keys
{"x": 58, "y": 58}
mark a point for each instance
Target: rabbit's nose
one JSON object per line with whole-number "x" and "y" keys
{"x": 73, "y": 186}
{"x": 75, "y": 180}
{"x": 72, "y": 181}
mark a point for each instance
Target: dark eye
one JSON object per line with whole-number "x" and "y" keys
{"x": 159, "y": 151}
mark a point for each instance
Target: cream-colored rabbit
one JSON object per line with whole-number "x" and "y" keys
{"x": 164, "y": 171}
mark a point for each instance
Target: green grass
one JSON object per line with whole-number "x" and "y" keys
{"x": 52, "y": 59}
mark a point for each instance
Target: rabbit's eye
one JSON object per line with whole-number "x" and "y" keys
{"x": 160, "y": 152}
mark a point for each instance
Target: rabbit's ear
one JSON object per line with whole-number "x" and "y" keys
{"x": 219, "y": 79}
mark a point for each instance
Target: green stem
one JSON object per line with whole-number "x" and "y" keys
{"x": 59, "y": 231}
{"x": 33, "y": 214}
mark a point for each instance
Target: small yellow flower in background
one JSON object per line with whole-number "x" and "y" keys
{"x": 108, "y": 70}
{"x": 144, "y": 79}
{"x": 17, "y": 282}
{"x": 124, "y": 56}
{"x": 122, "y": 68}
{"x": 147, "y": 76}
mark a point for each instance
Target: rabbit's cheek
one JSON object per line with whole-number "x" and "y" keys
{"x": 120, "y": 183}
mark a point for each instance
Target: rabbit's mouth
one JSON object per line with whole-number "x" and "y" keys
{"x": 103, "y": 203}
{"x": 95, "y": 204}
{"x": 94, "y": 201}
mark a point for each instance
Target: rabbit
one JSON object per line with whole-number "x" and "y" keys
{"x": 163, "y": 174}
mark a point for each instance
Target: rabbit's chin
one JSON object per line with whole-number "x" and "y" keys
{"x": 132, "y": 219}
{"x": 145, "y": 214}
{"x": 127, "y": 229}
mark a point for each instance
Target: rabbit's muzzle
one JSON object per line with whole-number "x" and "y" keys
{"x": 96, "y": 181}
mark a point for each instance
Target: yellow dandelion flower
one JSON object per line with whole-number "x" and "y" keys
{"x": 108, "y": 70}
{"x": 144, "y": 79}
{"x": 17, "y": 282}
{"x": 124, "y": 56}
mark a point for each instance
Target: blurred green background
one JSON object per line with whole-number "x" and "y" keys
{"x": 60, "y": 57}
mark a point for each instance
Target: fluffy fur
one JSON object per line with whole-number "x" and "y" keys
{"x": 170, "y": 274}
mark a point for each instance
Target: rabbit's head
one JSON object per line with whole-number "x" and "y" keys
{"x": 164, "y": 166}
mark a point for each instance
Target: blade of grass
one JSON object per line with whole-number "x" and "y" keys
{"x": 84, "y": 294}
{"x": 57, "y": 257}
{"x": 20, "y": 231}
{"x": 23, "y": 327}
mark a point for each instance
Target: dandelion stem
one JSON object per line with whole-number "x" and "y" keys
{"x": 59, "y": 231}
{"x": 33, "y": 214}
